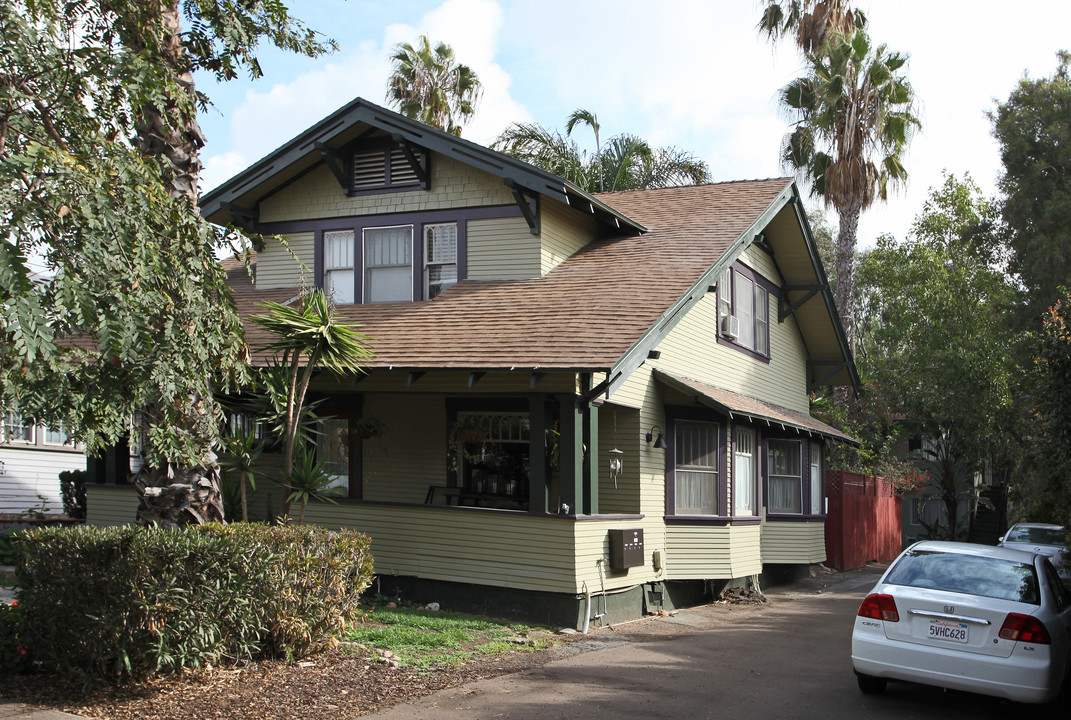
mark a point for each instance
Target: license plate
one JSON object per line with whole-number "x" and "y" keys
{"x": 947, "y": 630}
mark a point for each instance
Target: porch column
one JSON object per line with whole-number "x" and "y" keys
{"x": 571, "y": 454}
{"x": 591, "y": 459}
{"x": 538, "y": 485}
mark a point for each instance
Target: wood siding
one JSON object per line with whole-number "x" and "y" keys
{"x": 707, "y": 552}
{"x": 502, "y": 249}
{"x": 793, "y": 543}
{"x": 318, "y": 195}
{"x": 410, "y": 454}
{"x": 564, "y": 231}
{"x": 29, "y": 474}
{"x": 111, "y": 504}
{"x": 278, "y": 268}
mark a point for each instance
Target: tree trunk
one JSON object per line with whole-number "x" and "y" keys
{"x": 172, "y": 496}
{"x": 843, "y": 397}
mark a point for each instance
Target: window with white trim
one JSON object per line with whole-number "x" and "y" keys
{"x": 388, "y": 264}
{"x": 817, "y": 486}
{"x": 695, "y": 467}
{"x": 58, "y": 436}
{"x": 440, "y": 258}
{"x": 338, "y": 266}
{"x": 745, "y": 472}
{"x": 15, "y": 429}
{"x": 744, "y": 311}
{"x": 785, "y": 477}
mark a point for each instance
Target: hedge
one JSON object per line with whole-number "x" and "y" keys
{"x": 132, "y": 601}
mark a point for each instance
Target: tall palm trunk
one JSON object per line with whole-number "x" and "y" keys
{"x": 843, "y": 397}
{"x": 172, "y": 495}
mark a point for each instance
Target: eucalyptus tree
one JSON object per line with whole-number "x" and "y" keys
{"x": 429, "y": 85}
{"x": 114, "y": 301}
{"x": 625, "y": 162}
{"x": 853, "y": 116}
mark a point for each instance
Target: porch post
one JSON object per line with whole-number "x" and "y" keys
{"x": 538, "y": 487}
{"x": 571, "y": 454}
{"x": 591, "y": 459}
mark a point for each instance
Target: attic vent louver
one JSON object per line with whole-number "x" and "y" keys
{"x": 369, "y": 169}
{"x": 384, "y": 167}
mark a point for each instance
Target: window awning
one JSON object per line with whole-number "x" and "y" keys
{"x": 736, "y": 405}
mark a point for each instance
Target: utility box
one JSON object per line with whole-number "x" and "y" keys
{"x": 626, "y": 549}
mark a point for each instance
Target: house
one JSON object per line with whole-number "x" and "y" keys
{"x": 31, "y": 458}
{"x": 587, "y": 406}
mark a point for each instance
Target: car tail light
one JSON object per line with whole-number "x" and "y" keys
{"x": 1025, "y": 628}
{"x": 879, "y": 607}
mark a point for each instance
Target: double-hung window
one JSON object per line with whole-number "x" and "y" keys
{"x": 338, "y": 266}
{"x": 744, "y": 311}
{"x": 745, "y": 467}
{"x": 817, "y": 494}
{"x": 16, "y": 429}
{"x": 58, "y": 436}
{"x": 440, "y": 258}
{"x": 785, "y": 477}
{"x": 696, "y": 467}
{"x": 388, "y": 264}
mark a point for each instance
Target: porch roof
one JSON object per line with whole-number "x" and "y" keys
{"x": 735, "y": 404}
{"x": 585, "y": 314}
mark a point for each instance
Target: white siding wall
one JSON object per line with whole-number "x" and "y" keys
{"x": 28, "y": 473}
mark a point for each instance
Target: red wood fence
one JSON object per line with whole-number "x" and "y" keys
{"x": 863, "y": 521}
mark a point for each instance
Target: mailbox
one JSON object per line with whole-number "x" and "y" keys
{"x": 626, "y": 549}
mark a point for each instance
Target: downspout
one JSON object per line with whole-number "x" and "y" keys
{"x": 587, "y": 608}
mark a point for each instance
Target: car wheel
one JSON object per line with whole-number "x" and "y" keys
{"x": 871, "y": 685}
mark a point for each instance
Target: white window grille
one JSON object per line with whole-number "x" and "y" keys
{"x": 817, "y": 487}
{"x": 440, "y": 258}
{"x": 338, "y": 266}
{"x": 745, "y": 474}
{"x": 15, "y": 429}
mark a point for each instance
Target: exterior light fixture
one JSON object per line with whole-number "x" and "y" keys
{"x": 660, "y": 443}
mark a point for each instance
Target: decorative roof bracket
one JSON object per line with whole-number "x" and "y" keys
{"x": 420, "y": 169}
{"x": 474, "y": 377}
{"x": 834, "y": 368}
{"x": 244, "y": 218}
{"x": 528, "y": 204}
{"x": 414, "y": 376}
{"x": 784, "y": 310}
{"x": 334, "y": 162}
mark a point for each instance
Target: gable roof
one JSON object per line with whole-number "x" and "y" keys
{"x": 243, "y": 192}
{"x": 611, "y": 301}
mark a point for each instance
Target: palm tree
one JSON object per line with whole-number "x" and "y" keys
{"x": 426, "y": 84}
{"x": 628, "y": 162}
{"x": 809, "y": 20}
{"x": 308, "y": 337}
{"x": 855, "y": 115}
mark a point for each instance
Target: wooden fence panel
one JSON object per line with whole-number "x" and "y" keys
{"x": 863, "y": 523}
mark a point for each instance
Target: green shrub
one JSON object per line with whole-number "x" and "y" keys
{"x": 132, "y": 601}
{"x": 73, "y": 492}
{"x": 9, "y": 552}
{"x": 13, "y": 651}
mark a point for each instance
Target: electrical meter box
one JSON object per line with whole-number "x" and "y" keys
{"x": 626, "y": 549}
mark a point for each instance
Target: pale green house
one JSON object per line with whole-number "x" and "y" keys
{"x": 582, "y": 408}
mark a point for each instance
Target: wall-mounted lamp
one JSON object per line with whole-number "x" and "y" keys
{"x": 660, "y": 443}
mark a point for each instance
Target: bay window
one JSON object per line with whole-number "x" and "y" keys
{"x": 785, "y": 477}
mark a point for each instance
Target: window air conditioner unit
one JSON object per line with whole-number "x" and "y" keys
{"x": 730, "y": 327}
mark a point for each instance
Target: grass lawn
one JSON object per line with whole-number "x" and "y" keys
{"x": 425, "y": 639}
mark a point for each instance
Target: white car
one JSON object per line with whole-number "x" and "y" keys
{"x": 967, "y": 617}
{"x": 1041, "y": 538}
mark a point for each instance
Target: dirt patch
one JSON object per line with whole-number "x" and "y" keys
{"x": 336, "y": 685}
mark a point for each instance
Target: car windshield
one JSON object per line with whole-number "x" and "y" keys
{"x": 1036, "y": 536}
{"x": 970, "y": 574}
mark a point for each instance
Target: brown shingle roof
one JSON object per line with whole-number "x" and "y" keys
{"x": 753, "y": 408}
{"x": 587, "y": 312}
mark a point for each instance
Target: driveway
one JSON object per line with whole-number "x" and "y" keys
{"x": 787, "y": 659}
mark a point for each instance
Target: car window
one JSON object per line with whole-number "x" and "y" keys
{"x": 1059, "y": 592}
{"x": 969, "y": 574}
{"x": 1038, "y": 536}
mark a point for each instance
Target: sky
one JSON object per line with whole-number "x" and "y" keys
{"x": 695, "y": 75}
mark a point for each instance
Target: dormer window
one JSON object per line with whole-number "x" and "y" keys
{"x": 387, "y": 167}
{"x": 440, "y": 258}
{"x": 744, "y": 311}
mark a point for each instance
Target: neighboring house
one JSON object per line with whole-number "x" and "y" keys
{"x": 588, "y": 406}
{"x": 31, "y": 458}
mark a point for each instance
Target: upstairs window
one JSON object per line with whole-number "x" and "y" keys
{"x": 744, "y": 311}
{"x": 388, "y": 264}
{"x": 338, "y": 266}
{"x": 383, "y": 168}
{"x": 440, "y": 258}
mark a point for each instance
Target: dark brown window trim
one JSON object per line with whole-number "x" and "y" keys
{"x": 678, "y": 412}
{"x": 773, "y": 293}
{"x": 713, "y": 520}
